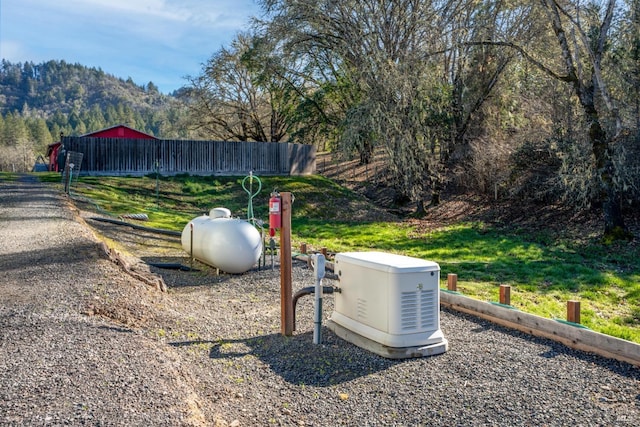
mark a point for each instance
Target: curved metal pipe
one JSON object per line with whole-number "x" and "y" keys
{"x": 172, "y": 266}
{"x": 309, "y": 290}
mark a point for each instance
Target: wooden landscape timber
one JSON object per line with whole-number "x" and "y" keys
{"x": 570, "y": 334}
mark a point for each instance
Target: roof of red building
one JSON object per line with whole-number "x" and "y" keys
{"x": 118, "y": 131}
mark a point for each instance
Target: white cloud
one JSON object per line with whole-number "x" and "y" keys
{"x": 13, "y": 51}
{"x": 148, "y": 9}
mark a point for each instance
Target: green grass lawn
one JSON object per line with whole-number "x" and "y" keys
{"x": 544, "y": 272}
{"x": 8, "y": 176}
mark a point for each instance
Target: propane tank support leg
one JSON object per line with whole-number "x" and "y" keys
{"x": 191, "y": 247}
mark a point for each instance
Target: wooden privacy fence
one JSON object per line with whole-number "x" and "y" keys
{"x": 137, "y": 157}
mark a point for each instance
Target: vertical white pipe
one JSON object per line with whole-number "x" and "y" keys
{"x": 319, "y": 269}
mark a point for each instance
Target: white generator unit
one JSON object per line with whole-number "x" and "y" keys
{"x": 388, "y": 304}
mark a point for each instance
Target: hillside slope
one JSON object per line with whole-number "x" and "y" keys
{"x": 556, "y": 218}
{"x": 74, "y": 99}
{"x": 58, "y": 86}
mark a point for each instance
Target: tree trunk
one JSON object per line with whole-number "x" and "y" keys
{"x": 421, "y": 209}
{"x": 614, "y": 227}
{"x": 435, "y": 198}
{"x": 586, "y": 90}
{"x": 608, "y": 195}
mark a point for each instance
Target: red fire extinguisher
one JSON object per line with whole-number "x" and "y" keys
{"x": 275, "y": 213}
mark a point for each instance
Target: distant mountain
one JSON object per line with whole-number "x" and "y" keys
{"x": 76, "y": 99}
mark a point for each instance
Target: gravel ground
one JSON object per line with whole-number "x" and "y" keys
{"x": 84, "y": 343}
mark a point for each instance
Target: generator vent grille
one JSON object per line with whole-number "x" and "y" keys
{"x": 362, "y": 309}
{"x": 418, "y": 310}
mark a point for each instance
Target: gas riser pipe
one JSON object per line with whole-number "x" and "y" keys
{"x": 318, "y": 269}
{"x": 318, "y": 290}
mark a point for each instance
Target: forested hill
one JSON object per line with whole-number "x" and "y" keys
{"x": 40, "y": 101}
{"x": 75, "y": 99}
{"x": 59, "y": 86}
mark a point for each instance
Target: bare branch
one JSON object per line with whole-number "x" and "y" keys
{"x": 542, "y": 67}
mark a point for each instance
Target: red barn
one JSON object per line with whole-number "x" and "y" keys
{"x": 118, "y": 131}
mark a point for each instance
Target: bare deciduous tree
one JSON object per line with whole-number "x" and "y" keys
{"x": 410, "y": 81}
{"x": 230, "y": 100}
{"x": 581, "y": 34}
{"x": 422, "y": 80}
{"x": 377, "y": 53}
{"x": 583, "y": 37}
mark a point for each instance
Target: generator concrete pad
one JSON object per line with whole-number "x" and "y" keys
{"x": 383, "y": 350}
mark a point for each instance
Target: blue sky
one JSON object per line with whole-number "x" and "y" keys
{"x": 162, "y": 41}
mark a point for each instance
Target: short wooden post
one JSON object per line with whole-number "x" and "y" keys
{"x": 452, "y": 282}
{"x": 573, "y": 311}
{"x": 303, "y": 248}
{"x": 323, "y": 251}
{"x": 505, "y": 294}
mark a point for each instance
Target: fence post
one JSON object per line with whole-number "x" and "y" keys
{"x": 505, "y": 294}
{"x": 452, "y": 282}
{"x": 573, "y": 311}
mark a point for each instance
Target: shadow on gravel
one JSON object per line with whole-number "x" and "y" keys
{"x": 55, "y": 255}
{"x": 28, "y": 178}
{"x": 21, "y": 219}
{"x": 298, "y": 361}
{"x": 116, "y": 329}
{"x": 21, "y": 193}
{"x": 177, "y": 272}
{"x": 131, "y": 236}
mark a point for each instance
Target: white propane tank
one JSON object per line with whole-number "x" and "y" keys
{"x": 230, "y": 244}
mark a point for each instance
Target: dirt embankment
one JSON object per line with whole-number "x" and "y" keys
{"x": 556, "y": 218}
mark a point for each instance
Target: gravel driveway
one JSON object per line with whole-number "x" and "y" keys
{"x": 84, "y": 343}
